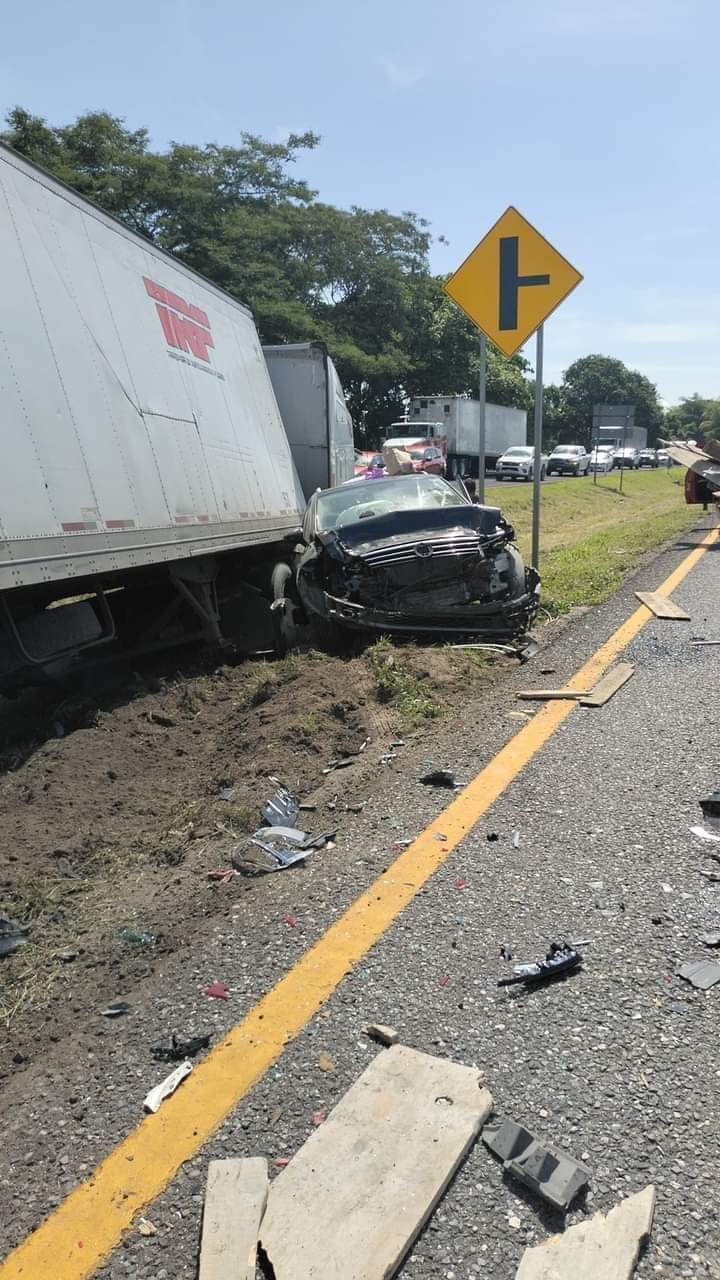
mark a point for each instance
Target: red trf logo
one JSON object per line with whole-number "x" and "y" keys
{"x": 186, "y": 327}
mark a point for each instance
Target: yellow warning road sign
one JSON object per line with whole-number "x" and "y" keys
{"x": 511, "y": 282}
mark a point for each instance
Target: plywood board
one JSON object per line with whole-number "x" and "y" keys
{"x": 546, "y": 695}
{"x": 661, "y": 606}
{"x": 234, "y": 1204}
{"x": 353, "y": 1199}
{"x": 603, "y": 1248}
{"x": 615, "y": 678}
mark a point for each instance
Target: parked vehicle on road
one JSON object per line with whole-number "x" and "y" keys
{"x": 568, "y": 460}
{"x": 517, "y": 463}
{"x": 410, "y": 554}
{"x": 664, "y": 459}
{"x": 602, "y": 458}
{"x": 457, "y": 418}
{"x": 626, "y": 459}
{"x": 647, "y": 458}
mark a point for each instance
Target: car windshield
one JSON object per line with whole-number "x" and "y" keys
{"x": 339, "y": 507}
{"x": 518, "y": 452}
{"x": 567, "y": 449}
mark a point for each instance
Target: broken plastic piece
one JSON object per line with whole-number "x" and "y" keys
{"x": 137, "y": 937}
{"x": 290, "y": 834}
{"x": 556, "y": 1177}
{"x": 703, "y": 974}
{"x": 339, "y": 764}
{"x": 703, "y": 834}
{"x": 711, "y": 939}
{"x": 12, "y": 935}
{"x": 561, "y": 958}
{"x": 115, "y": 1010}
{"x": 282, "y": 809}
{"x": 711, "y": 810}
{"x": 179, "y": 1050}
{"x": 439, "y": 778}
{"x": 218, "y": 990}
{"x": 166, "y": 1087}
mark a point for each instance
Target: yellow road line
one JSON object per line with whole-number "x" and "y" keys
{"x": 86, "y": 1226}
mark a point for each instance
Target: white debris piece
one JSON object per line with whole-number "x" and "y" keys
{"x": 167, "y": 1086}
{"x": 603, "y": 1248}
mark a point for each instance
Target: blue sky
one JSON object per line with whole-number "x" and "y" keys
{"x": 598, "y": 119}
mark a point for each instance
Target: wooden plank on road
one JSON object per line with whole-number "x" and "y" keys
{"x": 661, "y": 606}
{"x": 234, "y": 1204}
{"x": 547, "y": 695}
{"x": 356, "y": 1195}
{"x": 615, "y": 679}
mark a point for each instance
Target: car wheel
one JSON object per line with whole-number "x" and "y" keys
{"x": 499, "y": 479}
{"x": 543, "y": 473}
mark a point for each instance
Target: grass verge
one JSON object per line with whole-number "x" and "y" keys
{"x": 397, "y": 684}
{"x": 591, "y": 535}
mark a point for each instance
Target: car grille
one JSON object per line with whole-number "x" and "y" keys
{"x": 455, "y": 545}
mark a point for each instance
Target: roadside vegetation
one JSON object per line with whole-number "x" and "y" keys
{"x": 591, "y": 535}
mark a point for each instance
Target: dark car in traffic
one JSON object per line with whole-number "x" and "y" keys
{"x": 410, "y": 554}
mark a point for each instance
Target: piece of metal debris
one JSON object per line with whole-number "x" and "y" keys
{"x": 711, "y": 811}
{"x": 562, "y": 958}
{"x": 339, "y": 764}
{"x": 703, "y": 974}
{"x": 227, "y": 794}
{"x": 555, "y": 1176}
{"x": 288, "y": 835}
{"x": 439, "y": 778}
{"x": 13, "y": 934}
{"x": 702, "y": 833}
{"x": 157, "y": 1096}
{"x": 382, "y": 1034}
{"x": 516, "y": 840}
{"x": 282, "y": 809}
{"x": 711, "y": 939}
{"x": 179, "y": 1050}
{"x": 115, "y": 1010}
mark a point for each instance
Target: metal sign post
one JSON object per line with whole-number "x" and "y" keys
{"x": 535, "y": 557}
{"x": 508, "y": 286}
{"x": 482, "y": 381}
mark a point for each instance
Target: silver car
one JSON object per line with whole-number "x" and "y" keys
{"x": 568, "y": 460}
{"x": 517, "y": 463}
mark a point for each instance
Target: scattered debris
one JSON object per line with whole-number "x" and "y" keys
{"x": 461, "y": 883}
{"x": 601, "y": 1248}
{"x": 318, "y": 1118}
{"x": 547, "y": 695}
{"x": 382, "y": 1034}
{"x": 281, "y": 1162}
{"x": 704, "y": 642}
{"x": 339, "y": 764}
{"x": 711, "y": 939}
{"x": 166, "y": 1087}
{"x": 400, "y": 743}
{"x": 711, "y": 810}
{"x": 290, "y": 920}
{"x": 146, "y": 1227}
{"x": 439, "y": 778}
{"x": 505, "y": 952}
{"x": 115, "y": 1010}
{"x": 443, "y": 980}
{"x": 326, "y": 1063}
{"x": 398, "y": 845}
{"x": 223, "y": 874}
{"x": 556, "y": 1177}
{"x": 516, "y": 840}
{"x": 290, "y": 835}
{"x": 492, "y": 835}
{"x": 388, "y": 757}
{"x": 703, "y": 974}
{"x": 13, "y": 934}
{"x": 491, "y": 648}
{"x": 218, "y": 990}
{"x": 703, "y": 834}
{"x": 661, "y": 606}
{"x": 179, "y": 1050}
{"x": 439, "y": 836}
{"x": 562, "y": 958}
{"x": 613, "y": 680}
{"x": 227, "y": 793}
{"x": 235, "y": 1201}
{"x": 282, "y": 809}
{"x": 66, "y": 957}
{"x": 355, "y": 808}
{"x": 400, "y": 1168}
{"x": 307, "y": 808}
{"x": 711, "y": 876}
{"x": 137, "y": 937}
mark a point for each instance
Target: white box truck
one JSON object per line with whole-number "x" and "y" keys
{"x": 143, "y": 445}
{"x": 458, "y": 419}
{"x": 312, "y": 405}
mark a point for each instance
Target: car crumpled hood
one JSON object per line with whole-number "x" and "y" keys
{"x": 399, "y": 526}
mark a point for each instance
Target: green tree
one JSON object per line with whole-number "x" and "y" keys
{"x": 597, "y": 379}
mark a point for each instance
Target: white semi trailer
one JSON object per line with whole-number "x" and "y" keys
{"x": 312, "y": 405}
{"x": 146, "y": 467}
{"x": 458, "y": 419}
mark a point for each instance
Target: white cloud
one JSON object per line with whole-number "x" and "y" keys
{"x": 401, "y": 75}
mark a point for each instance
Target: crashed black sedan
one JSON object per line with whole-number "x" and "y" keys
{"x": 411, "y": 554}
